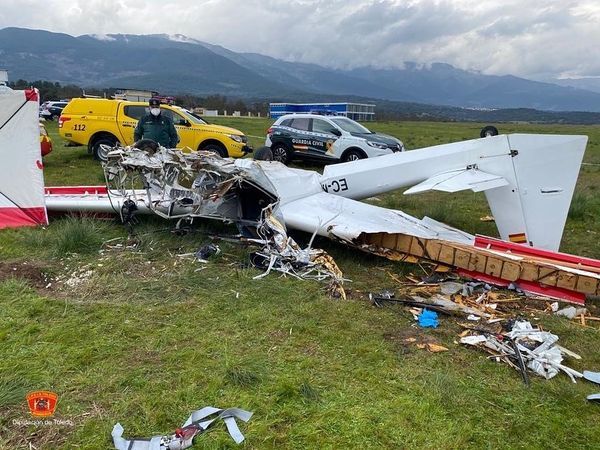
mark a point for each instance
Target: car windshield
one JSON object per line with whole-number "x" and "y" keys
{"x": 194, "y": 118}
{"x": 350, "y": 125}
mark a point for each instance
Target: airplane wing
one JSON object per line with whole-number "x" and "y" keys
{"x": 459, "y": 180}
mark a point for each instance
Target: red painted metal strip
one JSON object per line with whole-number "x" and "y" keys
{"x": 520, "y": 249}
{"x": 528, "y": 286}
{"x": 75, "y": 190}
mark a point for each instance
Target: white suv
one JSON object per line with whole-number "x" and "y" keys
{"x": 326, "y": 138}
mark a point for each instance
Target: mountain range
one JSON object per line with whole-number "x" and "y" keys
{"x": 175, "y": 64}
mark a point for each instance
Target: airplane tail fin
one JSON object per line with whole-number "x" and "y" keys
{"x": 528, "y": 179}
{"x": 532, "y": 209}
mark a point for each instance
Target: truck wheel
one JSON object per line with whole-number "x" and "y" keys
{"x": 280, "y": 153}
{"x": 100, "y": 150}
{"x": 488, "y": 131}
{"x": 216, "y": 149}
{"x": 263, "y": 154}
{"x": 353, "y": 155}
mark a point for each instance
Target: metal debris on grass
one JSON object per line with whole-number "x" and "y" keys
{"x": 494, "y": 322}
{"x": 282, "y": 254}
{"x": 523, "y": 346}
{"x": 199, "y": 184}
{"x": 184, "y": 437}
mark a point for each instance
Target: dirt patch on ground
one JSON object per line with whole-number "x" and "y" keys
{"x": 35, "y": 275}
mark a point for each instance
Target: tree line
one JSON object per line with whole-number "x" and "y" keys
{"x": 53, "y": 91}
{"x": 386, "y": 110}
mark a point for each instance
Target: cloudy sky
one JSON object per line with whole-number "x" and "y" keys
{"x": 531, "y": 38}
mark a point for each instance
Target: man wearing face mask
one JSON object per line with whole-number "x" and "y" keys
{"x": 157, "y": 127}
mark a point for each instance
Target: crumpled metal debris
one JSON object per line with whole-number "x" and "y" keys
{"x": 282, "y": 254}
{"x": 536, "y": 348}
{"x": 198, "y": 422}
{"x": 174, "y": 184}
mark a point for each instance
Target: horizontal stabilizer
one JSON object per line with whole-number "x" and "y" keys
{"x": 459, "y": 180}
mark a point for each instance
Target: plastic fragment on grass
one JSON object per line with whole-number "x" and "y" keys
{"x": 206, "y": 251}
{"x": 594, "y": 377}
{"x": 594, "y": 398}
{"x": 198, "y": 422}
{"x": 473, "y": 340}
{"x": 428, "y": 319}
{"x": 570, "y": 312}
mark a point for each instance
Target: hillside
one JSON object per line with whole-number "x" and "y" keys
{"x": 177, "y": 64}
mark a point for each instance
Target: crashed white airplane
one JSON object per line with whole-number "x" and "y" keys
{"x": 528, "y": 181}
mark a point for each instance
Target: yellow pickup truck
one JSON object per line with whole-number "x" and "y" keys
{"x": 94, "y": 121}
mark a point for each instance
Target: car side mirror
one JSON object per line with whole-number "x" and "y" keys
{"x": 186, "y": 123}
{"x": 336, "y": 132}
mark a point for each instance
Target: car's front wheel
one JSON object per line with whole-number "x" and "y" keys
{"x": 353, "y": 155}
{"x": 280, "y": 153}
{"x": 221, "y": 151}
{"x": 101, "y": 148}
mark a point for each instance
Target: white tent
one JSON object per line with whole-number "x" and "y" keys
{"x": 21, "y": 170}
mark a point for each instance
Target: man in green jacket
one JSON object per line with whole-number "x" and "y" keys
{"x": 157, "y": 127}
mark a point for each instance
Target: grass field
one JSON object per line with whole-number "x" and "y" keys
{"x": 144, "y": 337}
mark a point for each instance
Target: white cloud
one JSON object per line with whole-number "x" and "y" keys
{"x": 537, "y": 38}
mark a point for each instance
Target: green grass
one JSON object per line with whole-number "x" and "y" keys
{"x": 144, "y": 337}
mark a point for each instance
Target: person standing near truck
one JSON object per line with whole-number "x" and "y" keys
{"x": 157, "y": 127}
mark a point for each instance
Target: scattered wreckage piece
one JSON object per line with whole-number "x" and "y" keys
{"x": 524, "y": 346}
{"x": 173, "y": 184}
{"x": 198, "y": 422}
{"x": 492, "y": 325}
{"x": 282, "y": 254}
{"x": 449, "y": 306}
{"x": 594, "y": 377}
{"x": 593, "y": 398}
{"x": 437, "y": 303}
{"x": 201, "y": 184}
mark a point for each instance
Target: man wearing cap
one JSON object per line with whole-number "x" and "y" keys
{"x": 157, "y": 127}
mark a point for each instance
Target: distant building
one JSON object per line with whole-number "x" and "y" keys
{"x": 139, "y": 95}
{"x": 135, "y": 95}
{"x": 356, "y": 111}
{"x": 3, "y": 77}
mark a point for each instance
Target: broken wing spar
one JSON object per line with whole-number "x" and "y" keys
{"x": 515, "y": 171}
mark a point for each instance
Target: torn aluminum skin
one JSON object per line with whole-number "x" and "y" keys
{"x": 198, "y": 422}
